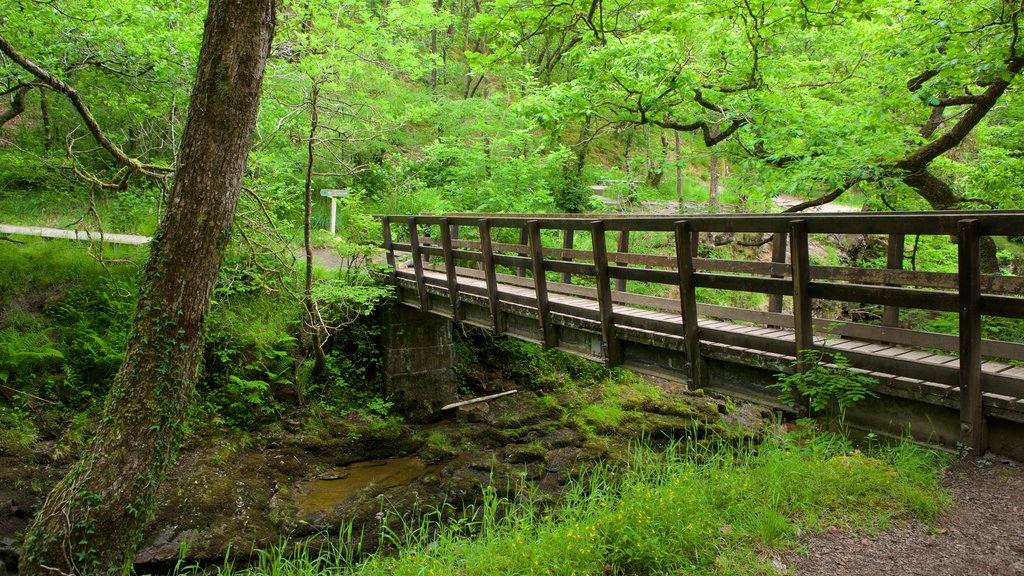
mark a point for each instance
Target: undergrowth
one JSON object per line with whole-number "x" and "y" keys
{"x": 698, "y": 507}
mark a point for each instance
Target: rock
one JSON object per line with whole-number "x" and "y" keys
{"x": 560, "y": 438}
{"x": 522, "y": 453}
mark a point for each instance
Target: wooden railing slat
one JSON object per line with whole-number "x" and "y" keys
{"x": 449, "y": 264}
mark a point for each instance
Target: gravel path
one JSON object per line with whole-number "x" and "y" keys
{"x": 982, "y": 534}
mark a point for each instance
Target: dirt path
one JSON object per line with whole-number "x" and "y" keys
{"x": 982, "y": 534}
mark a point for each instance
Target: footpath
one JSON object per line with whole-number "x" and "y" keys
{"x": 86, "y": 235}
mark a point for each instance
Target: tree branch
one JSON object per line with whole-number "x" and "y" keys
{"x": 17, "y": 104}
{"x": 58, "y": 85}
{"x": 821, "y": 200}
{"x": 972, "y": 116}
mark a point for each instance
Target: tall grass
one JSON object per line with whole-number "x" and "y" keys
{"x": 699, "y": 507}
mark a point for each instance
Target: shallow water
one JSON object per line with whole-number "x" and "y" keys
{"x": 336, "y": 485}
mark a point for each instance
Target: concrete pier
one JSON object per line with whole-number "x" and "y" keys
{"x": 419, "y": 363}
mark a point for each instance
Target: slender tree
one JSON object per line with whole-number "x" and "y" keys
{"x": 92, "y": 521}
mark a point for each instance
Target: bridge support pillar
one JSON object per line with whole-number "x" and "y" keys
{"x": 419, "y": 363}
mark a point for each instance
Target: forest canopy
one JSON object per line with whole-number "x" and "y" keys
{"x": 518, "y": 105}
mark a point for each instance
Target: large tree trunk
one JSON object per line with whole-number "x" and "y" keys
{"x": 940, "y": 196}
{"x": 92, "y": 521}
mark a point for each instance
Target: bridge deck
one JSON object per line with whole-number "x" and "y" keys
{"x": 937, "y": 373}
{"x": 508, "y": 274}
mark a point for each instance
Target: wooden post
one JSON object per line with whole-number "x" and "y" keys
{"x": 449, "y": 267}
{"x": 547, "y": 331}
{"x": 389, "y": 247}
{"x": 524, "y": 236}
{"x": 417, "y": 263}
{"x": 695, "y": 368}
{"x": 623, "y": 247}
{"x": 489, "y": 275}
{"x": 893, "y": 261}
{"x": 567, "y": 244}
{"x": 612, "y": 348}
{"x": 802, "y": 314}
{"x": 973, "y": 428}
{"x": 778, "y": 257}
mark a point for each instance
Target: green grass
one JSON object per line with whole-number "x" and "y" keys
{"x": 698, "y": 508}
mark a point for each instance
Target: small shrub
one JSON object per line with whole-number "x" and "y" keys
{"x": 829, "y": 386}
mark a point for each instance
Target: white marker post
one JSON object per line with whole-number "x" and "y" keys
{"x": 333, "y": 195}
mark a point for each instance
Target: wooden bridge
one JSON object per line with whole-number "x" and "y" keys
{"x": 649, "y": 293}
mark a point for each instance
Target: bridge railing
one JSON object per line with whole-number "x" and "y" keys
{"x": 591, "y": 257}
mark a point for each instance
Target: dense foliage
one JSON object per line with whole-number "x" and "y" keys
{"x": 519, "y": 104}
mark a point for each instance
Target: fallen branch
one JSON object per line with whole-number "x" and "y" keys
{"x": 478, "y": 400}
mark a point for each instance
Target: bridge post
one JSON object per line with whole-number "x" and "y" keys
{"x": 417, "y": 263}
{"x": 973, "y": 427}
{"x": 419, "y": 362}
{"x": 803, "y": 316}
{"x": 695, "y": 368}
{"x": 610, "y": 342}
{"x": 548, "y": 337}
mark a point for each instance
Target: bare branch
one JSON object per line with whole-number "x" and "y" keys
{"x": 822, "y": 200}
{"x": 64, "y": 88}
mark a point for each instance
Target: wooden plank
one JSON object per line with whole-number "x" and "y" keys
{"x": 547, "y": 330}
{"x": 778, "y": 257}
{"x": 578, "y": 268}
{"x": 515, "y": 262}
{"x": 973, "y": 428}
{"x": 450, "y": 272}
{"x": 417, "y": 263}
{"x": 567, "y": 244}
{"x": 990, "y": 283}
{"x": 592, "y": 314}
{"x": 669, "y": 277}
{"x": 903, "y": 297}
{"x": 893, "y": 261}
{"x": 695, "y": 368}
{"x": 1004, "y": 306}
{"x": 484, "y": 226}
{"x": 524, "y": 235}
{"x": 612, "y": 348}
{"x": 654, "y": 325}
{"x": 623, "y": 248}
{"x": 776, "y": 270}
{"x": 742, "y": 283}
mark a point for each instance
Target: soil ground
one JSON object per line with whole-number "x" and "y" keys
{"x": 981, "y": 534}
